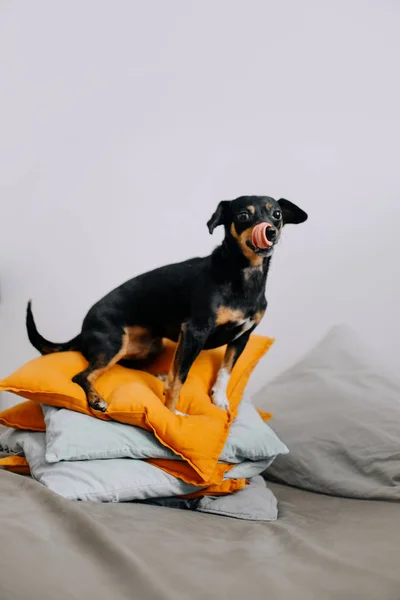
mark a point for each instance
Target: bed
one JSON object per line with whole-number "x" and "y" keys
{"x": 337, "y": 535}
{"x": 320, "y": 547}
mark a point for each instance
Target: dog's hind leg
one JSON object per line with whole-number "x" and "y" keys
{"x": 142, "y": 360}
{"x": 99, "y": 361}
{"x": 104, "y": 349}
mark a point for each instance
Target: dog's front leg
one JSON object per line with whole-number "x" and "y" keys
{"x": 233, "y": 351}
{"x": 191, "y": 341}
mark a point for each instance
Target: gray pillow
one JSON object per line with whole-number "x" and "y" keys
{"x": 126, "y": 479}
{"x": 73, "y": 436}
{"x": 338, "y": 411}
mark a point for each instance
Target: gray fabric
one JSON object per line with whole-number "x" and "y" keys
{"x": 321, "y": 547}
{"x": 73, "y": 436}
{"x": 126, "y": 479}
{"x": 255, "y": 502}
{"x": 338, "y": 411}
{"x": 12, "y": 441}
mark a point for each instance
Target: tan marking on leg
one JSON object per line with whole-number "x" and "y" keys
{"x": 138, "y": 342}
{"x": 229, "y": 358}
{"x": 173, "y": 384}
{"x": 93, "y": 397}
{"x": 226, "y": 315}
{"x": 132, "y": 345}
{"x": 172, "y": 390}
{"x": 244, "y": 237}
{"x": 104, "y": 366}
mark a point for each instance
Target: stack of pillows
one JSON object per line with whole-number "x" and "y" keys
{"x": 138, "y": 449}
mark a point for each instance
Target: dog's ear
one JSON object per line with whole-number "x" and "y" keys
{"x": 219, "y": 217}
{"x": 291, "y": 213}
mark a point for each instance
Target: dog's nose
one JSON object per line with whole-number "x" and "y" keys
{"x": 270, "y": 233}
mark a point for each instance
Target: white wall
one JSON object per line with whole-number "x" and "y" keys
{"x": 127, "y": 121}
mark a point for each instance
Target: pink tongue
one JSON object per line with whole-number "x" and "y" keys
{"x": 259, "y": 237}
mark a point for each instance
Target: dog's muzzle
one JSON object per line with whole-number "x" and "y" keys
{"x": 263, "y": 235}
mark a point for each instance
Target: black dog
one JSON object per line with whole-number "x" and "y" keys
{"x": 200, "y": 303}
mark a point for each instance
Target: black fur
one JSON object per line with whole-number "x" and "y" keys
{"x": 183, "y": 301}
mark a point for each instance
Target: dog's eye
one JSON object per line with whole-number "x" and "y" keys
{"x": 244, "y": 216}
{"x": 277, "y": 214}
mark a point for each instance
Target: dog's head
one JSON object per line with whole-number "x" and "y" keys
{"x": 255, "y": 223}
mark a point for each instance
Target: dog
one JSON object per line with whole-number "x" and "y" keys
{"x": 200, "y": 303}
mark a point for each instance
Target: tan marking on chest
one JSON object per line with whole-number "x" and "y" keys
{"x": 226, "y": 315}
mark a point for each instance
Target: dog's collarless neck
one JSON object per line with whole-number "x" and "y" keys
{"x": 229, "y": 262}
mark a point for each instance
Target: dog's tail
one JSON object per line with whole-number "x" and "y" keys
{"x": 42, "y": 345}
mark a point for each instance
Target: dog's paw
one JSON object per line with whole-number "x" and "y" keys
{"x": 218, "y": 397}
{"x": 100, "y": 406}
{"x": 97, "y": 403}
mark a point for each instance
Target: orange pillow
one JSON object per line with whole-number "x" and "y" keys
{"x": 16, "y": 464}
{"x": 26, "y": 415}
{"x": 29, "y": 415}
{"x": 136, "y": 397}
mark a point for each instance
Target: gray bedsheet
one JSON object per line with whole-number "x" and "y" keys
{"x": 320, "y": 548}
